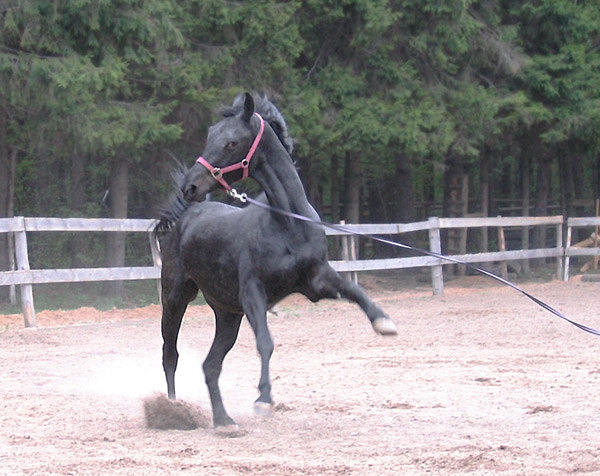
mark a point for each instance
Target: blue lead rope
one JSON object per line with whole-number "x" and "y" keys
{"x": 244, "y": 198}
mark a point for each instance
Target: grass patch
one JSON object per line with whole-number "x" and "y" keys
{"x": 67, "y": 296}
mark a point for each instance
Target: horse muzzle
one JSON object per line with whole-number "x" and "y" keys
{"x": 196, "y": 185}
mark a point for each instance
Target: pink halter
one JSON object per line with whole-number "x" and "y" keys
{"x": 218, "y": 173}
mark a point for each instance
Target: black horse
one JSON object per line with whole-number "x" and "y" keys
{"x": 244, "y": 260}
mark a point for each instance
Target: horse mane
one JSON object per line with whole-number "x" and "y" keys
{"x": 169, "y": 215}
{"x": 268, "y": 111}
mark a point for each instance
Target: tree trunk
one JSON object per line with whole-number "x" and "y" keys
{"x": 400, "y": 188}
{"x": 402, "y": 191}
{"x": 579, "y": 184}
{"x": 115, "y": 241}
{"x": 428, "y": 192}
{"x": 310, "y": 179}
{"x": 379, "y": 213}
{"x": 334, "y": 183}
{"x": 525, "y": 192}
{"x": 566, "y": 182}
{"x": 542, "y": 194}
{"x": 353, "y": 181}
{"x": 78, "y": 241}
{"x": 456, "y": 192}
{"x": 8, "y": 158}
{"x": 484, "y": 176}
{"x": 596, "y": 184}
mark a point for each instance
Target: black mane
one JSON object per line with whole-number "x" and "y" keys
{"x": 168, "y": 216}
{"x": 269, "y": 113}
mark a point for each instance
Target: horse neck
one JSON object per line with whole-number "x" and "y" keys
{"x": 278, "y": 178}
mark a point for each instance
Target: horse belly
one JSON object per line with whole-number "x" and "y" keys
{"x": 216, "y": 277}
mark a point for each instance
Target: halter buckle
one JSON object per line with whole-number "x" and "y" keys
{"x": 217, "y": 174}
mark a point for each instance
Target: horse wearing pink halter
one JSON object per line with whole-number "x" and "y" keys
{"x": 218, "y": 173}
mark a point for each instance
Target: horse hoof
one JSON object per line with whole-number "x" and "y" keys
{"x": 230, "y": 431}
{"x": 384, "y": 326}
{"x": 224, "y": 421}
{"x": 263, "y": 409}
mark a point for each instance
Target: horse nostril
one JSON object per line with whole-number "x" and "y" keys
{"x": 189, "y": 192}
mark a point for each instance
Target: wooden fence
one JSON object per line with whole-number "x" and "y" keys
{"x": 25, "y": 277}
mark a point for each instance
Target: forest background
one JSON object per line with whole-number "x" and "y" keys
{"x": 400, "y": 110}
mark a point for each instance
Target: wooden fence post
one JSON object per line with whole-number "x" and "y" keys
{"x": 349, "y": 253}
{"x": 502, "y": 247}
{"x": 12, "y": 266}
{"x": 353, "y": 248}
{"x": 559, "y": 246}
{"x": 435, "y": 246}
{"x": 23, "y": 265}
{"x": 567, "y": 257}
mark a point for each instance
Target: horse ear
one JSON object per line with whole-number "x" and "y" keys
{"x": 248, "y": 107}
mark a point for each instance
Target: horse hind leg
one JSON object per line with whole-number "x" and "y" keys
{"x": 227, "y": 326}
{"x": 174, "y": 303}
{"x": 327, "y": 283}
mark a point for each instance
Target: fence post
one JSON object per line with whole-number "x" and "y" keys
{"x": 12, "y": 264}
{"x": 349, "y": 253}
{"x": 566, "y": 251}
{"x": 435, "y": 246}
{"x": 559, "y": 246}
{"x": 502, "y": 247}
{"x": 23, "y": 265}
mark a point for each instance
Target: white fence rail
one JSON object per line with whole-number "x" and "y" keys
{"x": 25, "y": 277}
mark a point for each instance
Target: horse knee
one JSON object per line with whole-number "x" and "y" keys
{"x": 326, "y": 284}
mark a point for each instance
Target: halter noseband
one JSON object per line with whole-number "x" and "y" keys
{"x": 218, "y": 173}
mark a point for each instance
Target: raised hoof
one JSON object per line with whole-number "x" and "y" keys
{"x": 263, "y": 409}
{"x": 384, "y": 326}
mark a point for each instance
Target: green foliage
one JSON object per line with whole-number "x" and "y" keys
{"x": 423, "y": 79}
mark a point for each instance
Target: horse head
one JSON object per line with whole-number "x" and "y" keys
{"x": 229, "y": 148}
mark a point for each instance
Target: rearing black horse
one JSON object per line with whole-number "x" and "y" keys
{"x": 244, "y": 260}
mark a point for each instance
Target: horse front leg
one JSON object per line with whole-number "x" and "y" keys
{"x": 254, "y": 302}
{"x": 327, "y": 283}
{"x": 175, "y": 298}
{"x": 227, "y": 326}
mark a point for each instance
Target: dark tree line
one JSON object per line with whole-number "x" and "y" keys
{"x": 399, "y": 109}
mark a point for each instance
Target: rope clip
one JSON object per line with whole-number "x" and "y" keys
{"x": 242, "y": 197}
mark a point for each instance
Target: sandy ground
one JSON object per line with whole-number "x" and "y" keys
{"x": 479, "y": 381}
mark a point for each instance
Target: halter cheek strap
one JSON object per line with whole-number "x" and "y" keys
{"x": 218, "y": 173}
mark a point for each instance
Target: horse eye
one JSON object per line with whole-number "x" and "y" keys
{"x": 231, "y": 145}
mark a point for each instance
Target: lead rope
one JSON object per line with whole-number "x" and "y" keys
{"x": 242, "y": 197}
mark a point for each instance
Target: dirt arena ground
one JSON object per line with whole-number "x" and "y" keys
{"x": 479, "y": 381}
